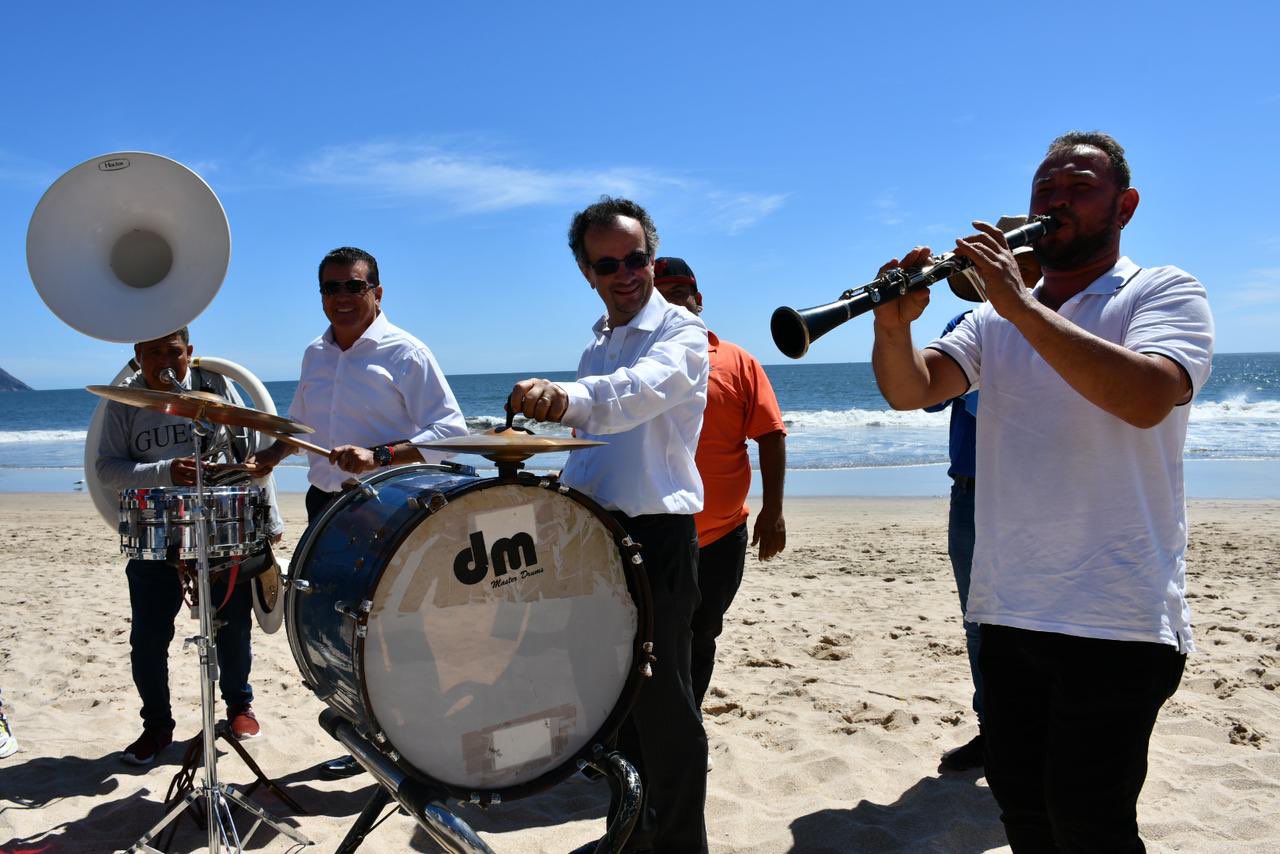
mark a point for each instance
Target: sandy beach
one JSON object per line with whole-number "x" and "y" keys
{"x": 841, "y": 680}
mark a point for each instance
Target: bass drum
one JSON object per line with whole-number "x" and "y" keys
{"x": 483, "y": 634}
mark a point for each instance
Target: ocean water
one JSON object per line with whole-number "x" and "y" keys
{"x": 836, "y": 418}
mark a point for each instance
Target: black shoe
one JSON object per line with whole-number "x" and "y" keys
{"x": 965, "y": 757}
{"x": 341, "y": 768}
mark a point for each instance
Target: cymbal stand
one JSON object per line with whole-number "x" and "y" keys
{"x": 218, "y": 797}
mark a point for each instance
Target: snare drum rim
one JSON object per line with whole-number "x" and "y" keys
{"x": 637, "y": 586}
{"x": 159, "y": 499}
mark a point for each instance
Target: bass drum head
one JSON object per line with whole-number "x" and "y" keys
{"x": 500, "y": 637}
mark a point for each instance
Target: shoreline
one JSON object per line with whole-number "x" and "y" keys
{"x": 1245, "y": 480}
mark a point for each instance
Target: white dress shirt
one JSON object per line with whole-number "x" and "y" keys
{"x": 385, "y": 388}
{"x": 642, "y": 388}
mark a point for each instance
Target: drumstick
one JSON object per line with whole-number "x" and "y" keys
{"x": 298, "y": 443}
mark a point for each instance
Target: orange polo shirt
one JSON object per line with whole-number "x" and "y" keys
{"x": 740, "y": 405}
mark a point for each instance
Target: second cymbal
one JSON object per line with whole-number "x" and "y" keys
{"x": 506, "y": 445}
{"x": 200, "y": 406}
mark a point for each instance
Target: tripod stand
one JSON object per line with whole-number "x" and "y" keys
{"x": 217, "y": 798}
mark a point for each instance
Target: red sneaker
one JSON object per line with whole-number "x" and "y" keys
{"x": 243, "y": 722}
{"x": 148, "y": 746}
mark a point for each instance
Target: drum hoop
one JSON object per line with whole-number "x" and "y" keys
{"x": 637, "y": 587}
{"x": 303, "y": 550}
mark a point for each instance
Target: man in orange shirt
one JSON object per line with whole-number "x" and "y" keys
{"x": 740, "y": 406}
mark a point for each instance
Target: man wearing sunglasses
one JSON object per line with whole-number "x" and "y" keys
{"x": 642, "y": 389}
{"x": 370, "y": 390}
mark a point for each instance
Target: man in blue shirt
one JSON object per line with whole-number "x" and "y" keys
{"x": 960, "y": 531}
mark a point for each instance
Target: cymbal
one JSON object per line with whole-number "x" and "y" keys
{"x": 507, "y": 446}
{"x": 201, "y": 406}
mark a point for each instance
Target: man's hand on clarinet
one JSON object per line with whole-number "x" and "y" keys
{"x": 353, "y": 459}
{"x": 901, "y": 312}
{"x": 995, "y": 263}
{"x": 541, "y": 400}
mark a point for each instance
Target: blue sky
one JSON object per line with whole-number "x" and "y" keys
{"x": 784, "y": 149}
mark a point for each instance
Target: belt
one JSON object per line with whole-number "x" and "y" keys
{"x": 965, "y": 483}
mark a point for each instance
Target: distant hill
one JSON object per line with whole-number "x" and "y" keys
{"x": 8, "y": 382}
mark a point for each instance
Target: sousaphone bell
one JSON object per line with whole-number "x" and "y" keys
{"x": 128, "y": 247}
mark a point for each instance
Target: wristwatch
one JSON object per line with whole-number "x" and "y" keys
{"x": 382, "y": 455}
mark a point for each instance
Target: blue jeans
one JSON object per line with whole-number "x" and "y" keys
{"x": 960, "y": 549}
{"x": 155, "y": 597}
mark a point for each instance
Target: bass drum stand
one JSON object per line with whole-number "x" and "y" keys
{"x": 213, "y": 798}
{"x": 426, "y": 803}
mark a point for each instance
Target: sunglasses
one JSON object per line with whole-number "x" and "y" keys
{"x": 609, "y": 266}
{"x": 350, "y": 286}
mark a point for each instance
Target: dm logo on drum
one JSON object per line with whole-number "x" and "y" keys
{"x": 508, "y": 553}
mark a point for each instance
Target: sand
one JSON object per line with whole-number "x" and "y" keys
{"x": 841, "y": 680}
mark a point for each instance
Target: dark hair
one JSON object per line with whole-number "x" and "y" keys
{"x": 603, "y": 213}
{"x": 350, "y": 255}
{"x": 1104, "y": 142}
{"x": 184, "y": 333}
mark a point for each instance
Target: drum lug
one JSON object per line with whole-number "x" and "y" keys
{"x": 299, "y": 584}
{"x": 358, "y": 614}
{"x": 380, "y": 737}
{"x": 431, "y": 501}
{"x": 489, "y": 800}
{"x": 646, "y": 666}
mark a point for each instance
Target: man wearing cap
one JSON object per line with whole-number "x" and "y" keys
{"x": 642, "y": 389}
{"x": 741, "y": 405}
{"x": 369, "y": 388}
{"x": 967, "y": 285}
{"x": 1079, "y": 571}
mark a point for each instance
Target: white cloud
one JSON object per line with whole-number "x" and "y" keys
{"x": 23, "y": 171}
{"x": 888, "y": 210}
{"x": 1258, "y": 289}
{"x": 738, "y": 211}
{"x": 473, "y": 183}
{"x": 469, "y": 183}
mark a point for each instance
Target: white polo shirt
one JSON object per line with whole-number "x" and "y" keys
{"x": 642, "y": 388}
{"x": 1081, "y": 517}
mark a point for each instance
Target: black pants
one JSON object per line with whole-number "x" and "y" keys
{"x": 663, "y": 735}
{"x": 720, "y": 566}
{"x": 1067, "y": 724}
{"x": 317, "y": 500}
{"x": 155, "y": 598}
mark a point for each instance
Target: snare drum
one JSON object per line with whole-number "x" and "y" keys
{"x": 483, "y": 634}
{"x": 158, "y": 523}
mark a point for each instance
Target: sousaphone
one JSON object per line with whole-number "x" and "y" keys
{"x": 129, "y": 247}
